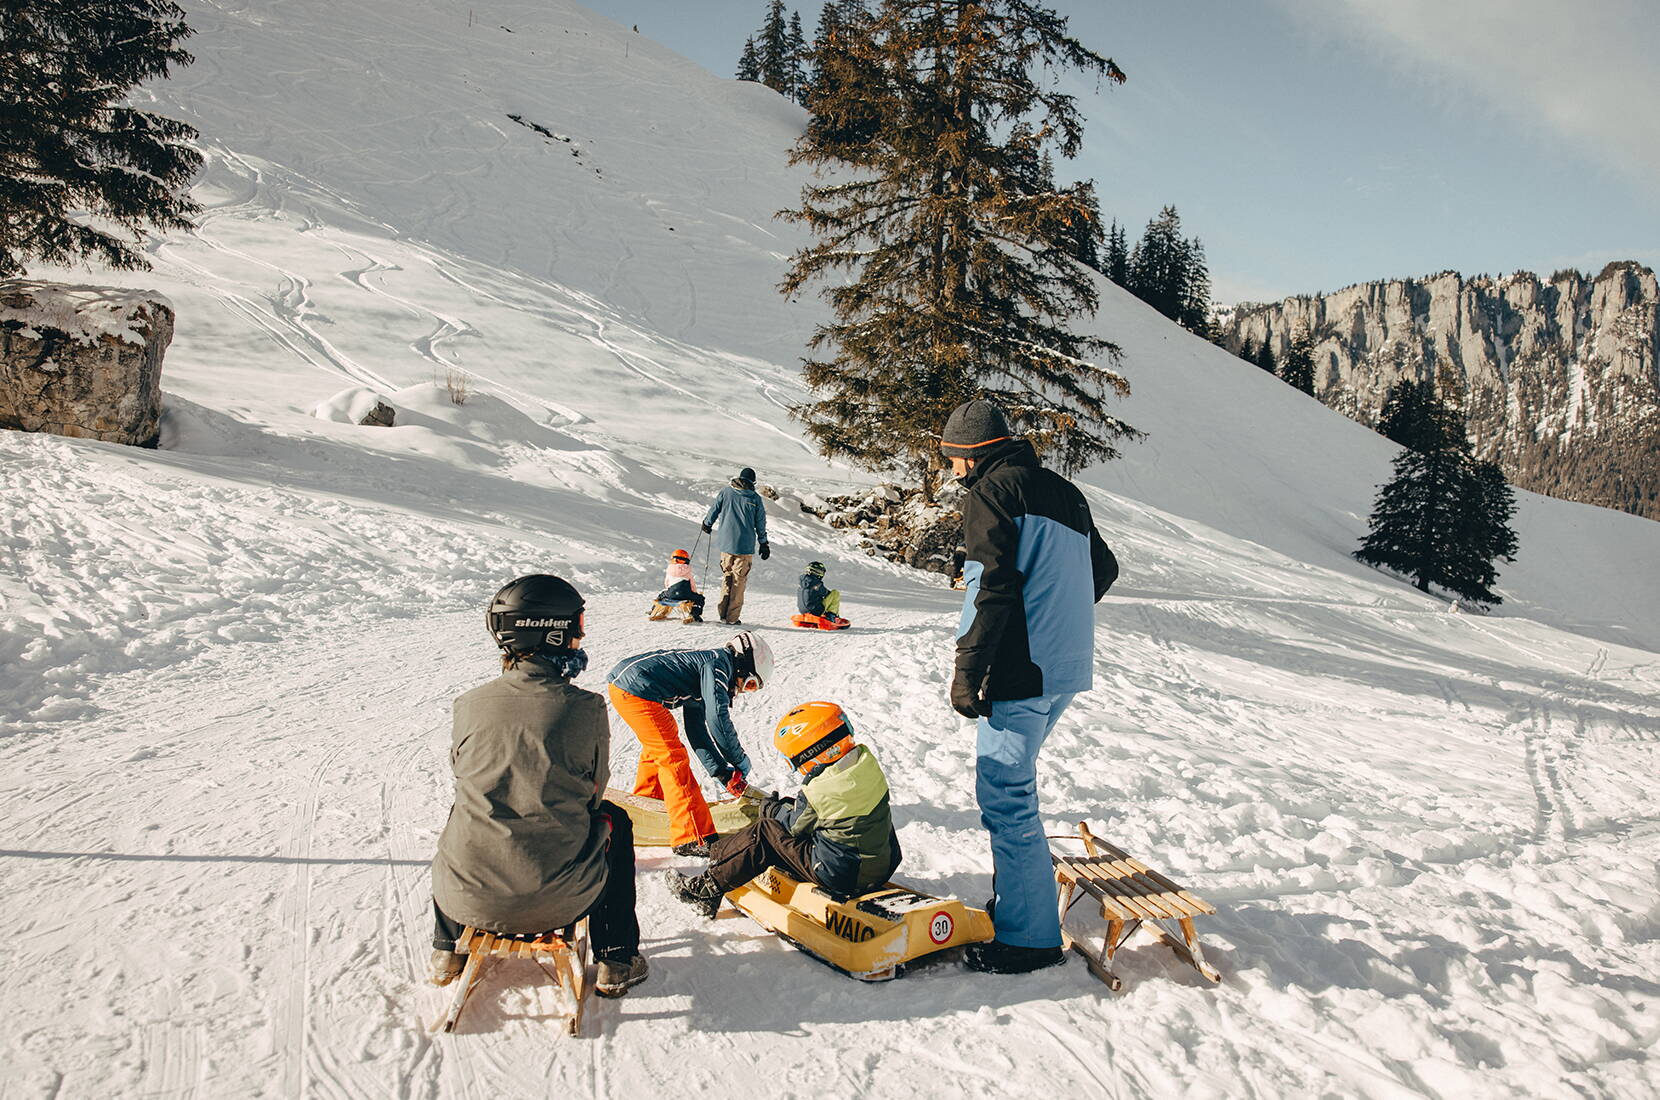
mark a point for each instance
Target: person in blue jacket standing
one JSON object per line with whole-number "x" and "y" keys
{"x": 1034, "y": 569}
{"x": 743, "y": 529}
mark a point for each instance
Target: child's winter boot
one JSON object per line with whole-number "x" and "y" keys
{"x": 700, "y": 893}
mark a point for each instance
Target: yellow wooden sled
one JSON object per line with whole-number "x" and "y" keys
{"x": 651, "y": 817}
{"x": 871, "y": 937}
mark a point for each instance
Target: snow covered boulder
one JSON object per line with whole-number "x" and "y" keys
{"x": 82, "y": 361}
{"x": 357, "y": 406}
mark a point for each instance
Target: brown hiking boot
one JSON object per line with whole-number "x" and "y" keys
{"x": 445, "y": 967}
{"x": 616, "y": 976}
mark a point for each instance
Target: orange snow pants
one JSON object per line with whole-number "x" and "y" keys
{"x": 665, "y": 766}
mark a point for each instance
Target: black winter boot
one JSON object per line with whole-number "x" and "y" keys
{"x": 1005, "y": 958}
{"x": 700, "y": 893}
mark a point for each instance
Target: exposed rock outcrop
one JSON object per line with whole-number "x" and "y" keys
{"x": 82, "y": 361}
{"x": 1559, "y": 381}
{"x": 897, "y": 524}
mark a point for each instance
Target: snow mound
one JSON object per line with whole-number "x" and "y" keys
{"x": 349, "y": 406}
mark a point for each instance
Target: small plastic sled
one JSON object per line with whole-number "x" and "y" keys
{"x": 819, "y": 622}
{"x": 651, "y": 817}
{"x": 567, "y": 950}
{"x": 873, "y": 937}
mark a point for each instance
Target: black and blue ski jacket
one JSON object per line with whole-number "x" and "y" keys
{"x": 1035, "y": 566}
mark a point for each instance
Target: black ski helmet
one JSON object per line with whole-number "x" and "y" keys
{"x": 536, "y": 613}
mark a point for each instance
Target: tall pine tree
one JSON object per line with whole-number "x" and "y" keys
{"x": 749, "y": 62}
{"x": 1298, "y": 368}
{"x": 952, "y": 252}
{"x": 69, "y": 147}
{"x": 776, "y": 58}
{"x": 1118, "y": 255}
{"x": 1444, "y": 518}
{"x": 1158, "y": 265}
{"x": 797, "y": 44}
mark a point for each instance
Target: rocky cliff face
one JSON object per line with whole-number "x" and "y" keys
{"x": 1559, "y": 381}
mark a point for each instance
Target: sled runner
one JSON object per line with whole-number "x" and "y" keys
{"x": 819, "y": 622}
{"x": 871, "y": 937}
{"x": 651, "y": 817}
{"x": 1132, "y": 895}
{"x": 568, "y": 950}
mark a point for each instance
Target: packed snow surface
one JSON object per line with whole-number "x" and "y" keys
{"x": 226, "y": 664}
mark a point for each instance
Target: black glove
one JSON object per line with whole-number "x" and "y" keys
{"x": 968, "y": 693}
{"x": 766, "y": 551}
{"x": 708, "y": 528}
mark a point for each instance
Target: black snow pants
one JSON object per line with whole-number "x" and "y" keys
{"x": 613, "y": 927}
{"x": 738, "y": 857}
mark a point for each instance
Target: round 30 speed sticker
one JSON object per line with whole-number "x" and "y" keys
{"x": 940, "y": 928}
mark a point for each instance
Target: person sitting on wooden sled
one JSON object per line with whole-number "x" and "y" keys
{"x": 701, "y": 682}
{"x": 812, "y": 597}
{"x": 530, "y": 846}
{"x": 838, "y": 832}
{"x": 679, "y": 591}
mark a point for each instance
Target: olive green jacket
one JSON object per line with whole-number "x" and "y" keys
{"x": 524, "y": 847}
{"x": 844, "y": 808}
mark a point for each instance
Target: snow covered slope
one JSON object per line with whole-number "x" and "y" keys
{"x": 225, "y": 665}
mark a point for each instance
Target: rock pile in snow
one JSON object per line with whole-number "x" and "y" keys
{"x": 82, "y": 361}
{"x": 898, "y": 524}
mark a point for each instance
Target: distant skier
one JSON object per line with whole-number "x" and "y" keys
{"x": 1035, "y": 566}
{"x": 679, "y": 591}
{"x": 815, "y": 601}
{"x": 530, "y": 846}
{"x": 701, "y": 682}
{"x": 838, "y": 832}
{"x": 742, "y": 530}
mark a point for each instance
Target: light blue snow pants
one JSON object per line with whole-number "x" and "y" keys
{"x": 1005, "y": 782}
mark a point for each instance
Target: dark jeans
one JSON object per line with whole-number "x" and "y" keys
{"x": 738, "y": 857}
{"x": 612, "y": 925}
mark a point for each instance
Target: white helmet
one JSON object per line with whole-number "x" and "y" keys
{"x": 753, "y": 658}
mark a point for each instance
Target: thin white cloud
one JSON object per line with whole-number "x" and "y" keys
{"x": 1586, "y": 70}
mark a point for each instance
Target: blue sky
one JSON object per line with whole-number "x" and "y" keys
{"x": 1316, "y": 143}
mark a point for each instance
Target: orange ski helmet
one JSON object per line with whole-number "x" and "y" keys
{"x": 681, "y": 555}
{"x": 813, "y": 734}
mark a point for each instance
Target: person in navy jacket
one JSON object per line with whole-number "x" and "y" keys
{"x": 1034, "y": 569}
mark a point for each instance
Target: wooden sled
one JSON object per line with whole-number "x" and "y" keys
{"x": 651, "y": 816}
{"x": 568, "y": 951}
{"x": 872, "y": 937}
{"x": 819, "y": 622}
{"x": 1132, "y": 895}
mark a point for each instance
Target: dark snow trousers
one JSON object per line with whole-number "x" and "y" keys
{"x": 738, "y": 857}
{"x": 613, "y": 928}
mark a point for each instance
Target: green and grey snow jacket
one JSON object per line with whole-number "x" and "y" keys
{"x": 844, "y": 807}
{"x": 524, "y": 847}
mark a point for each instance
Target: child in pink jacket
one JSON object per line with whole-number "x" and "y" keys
{"x": 679, "y": 590}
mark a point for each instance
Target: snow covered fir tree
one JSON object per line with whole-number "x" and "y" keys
{"x": 481, "y": 293}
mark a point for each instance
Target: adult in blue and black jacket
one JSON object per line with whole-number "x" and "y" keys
{"x": 1034, "y": 569}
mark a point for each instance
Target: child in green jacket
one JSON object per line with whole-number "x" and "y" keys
{"x": 838, "y": 832}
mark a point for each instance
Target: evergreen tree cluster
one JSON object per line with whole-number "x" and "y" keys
{"x": 779, "y": 56}
{"x": 82, "y": 174}
{"x": 953, "y": 256}
{"x": 1297, "y": 367}
{"x": 1444, "y": 518}
{"x": 1164, "y": 269}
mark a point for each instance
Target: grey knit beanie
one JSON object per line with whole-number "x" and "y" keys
{"x": 970, "y": 427}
